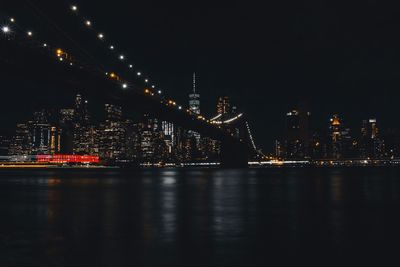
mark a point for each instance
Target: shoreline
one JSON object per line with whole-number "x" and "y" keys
{"x": 106, "y": 168}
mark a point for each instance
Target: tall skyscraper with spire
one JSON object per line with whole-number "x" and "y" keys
{"x": 194, "y": 106}
{"x": 194, "y": 98}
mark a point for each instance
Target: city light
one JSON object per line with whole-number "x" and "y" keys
{"x": 146, "y": 80}
{"x": 5, "y": 29}
{"x": 29, "y": 33}
{"x": 153, "y": 86}
{"x": 124, "y": 86}
{"x": 139, "y": 74}
{"x": 88, "y": 23}
{"x": 12, "y": 19}
{"x": 180, "y": 107}
{"x": 111, "y": 47}
{"x": 100, "y": 35}
{"x": 121, "y": 57}
{"x": 44, "y": 45}
{"x": 131, "y": 66}
{"x": 74, "y": 8}
{"x": 159, "y": 92}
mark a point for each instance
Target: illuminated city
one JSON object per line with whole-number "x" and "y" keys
{"x": 199, "y": 133}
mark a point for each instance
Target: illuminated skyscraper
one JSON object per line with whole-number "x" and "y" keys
{"x": 297, "y": 137}
{"x": 151, "y": 143}
{"x": 21, "y": 143}
{"x": 169, "y": 136}
{"x": 4, "y": 145}
{"x": 85, "y": 141}
{"x": 81, "y": 110}
{"x": 341, "y": 144}
{"x": 223, "y": 105}
{"x": 335, "y": 127}
{"x": 67, "y": 116}
{"x": 194, "y": 98}
{"x": 113, "y": 112}
{"x": 41, "y": 134}
{"x": 371, "y": 146}
{"x": 112, "y": 134}
{"x": 66, "y": 125}
{"x": 194, "y": 106}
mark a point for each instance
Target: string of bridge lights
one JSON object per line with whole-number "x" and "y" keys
{"x": 63, "y": 56}
{"x": 11, "y": 28}
{"x": 111, "y": 46}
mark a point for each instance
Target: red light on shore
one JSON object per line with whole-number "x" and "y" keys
{"x": 67, "y": 159}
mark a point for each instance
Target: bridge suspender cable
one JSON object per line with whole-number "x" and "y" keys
{"x": 251, "y": 137}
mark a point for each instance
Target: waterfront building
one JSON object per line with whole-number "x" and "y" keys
{"x": 81, "y": 110}
{"x": 40, "y": 131}
{"x": 169, "y": 138}
{"x": 297, "y": 136}
{"x": 112, "y": 134}
{"x": 194, "y": 98}
{"x": 5, "y": 142}
{"x": 21, "y": 142}
{"x": 371, "y": 146}
{"x": 152, "y": 147}
{"x": 223, "y": 105}
{"x": 66, "y": 126}
{"x": 194, "y": 107}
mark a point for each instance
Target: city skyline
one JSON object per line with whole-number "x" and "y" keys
{"x": 199, "y": 133}
{"x": 298, "y": 128}
{"x": 279, "y": 68}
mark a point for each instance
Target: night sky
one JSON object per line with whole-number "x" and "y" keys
{"x": 340, "y": 57}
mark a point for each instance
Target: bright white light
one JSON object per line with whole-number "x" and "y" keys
{"x": 124, "y": 86}
{"x": 12, "y": 19}
{"x": 74, "y": 8}
{"x": 153, "y": 86}
{"x": 71, "y": 64}
{"x": 5, "y": 29}
{"x": 122, "y": 57}
{"x": 44, "y": 45}
{"x": 30, "y": 33}
{"x": 100, "y": 35}
{"x": 111, "y": 47}
{"x": 61, "y": 59}
{"x": 139, "y": 74}
{"x": 88, "y": 23}
{"x": 159, "y": 92}
{"x": 180, "y": 107}
{"x": 130, "y": 66}
{"x": 146, "y": 80}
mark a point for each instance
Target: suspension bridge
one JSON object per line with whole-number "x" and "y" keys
{"x": 62, "y": 57}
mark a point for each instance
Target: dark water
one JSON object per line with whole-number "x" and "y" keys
{"x": 201, "y": 217}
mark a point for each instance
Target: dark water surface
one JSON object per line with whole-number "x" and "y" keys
{"x": 200, "y": 217}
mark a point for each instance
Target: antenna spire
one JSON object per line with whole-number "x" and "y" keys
{"x": 194, "y": 82}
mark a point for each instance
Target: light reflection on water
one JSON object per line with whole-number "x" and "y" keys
{"x": 200, "y": 217}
